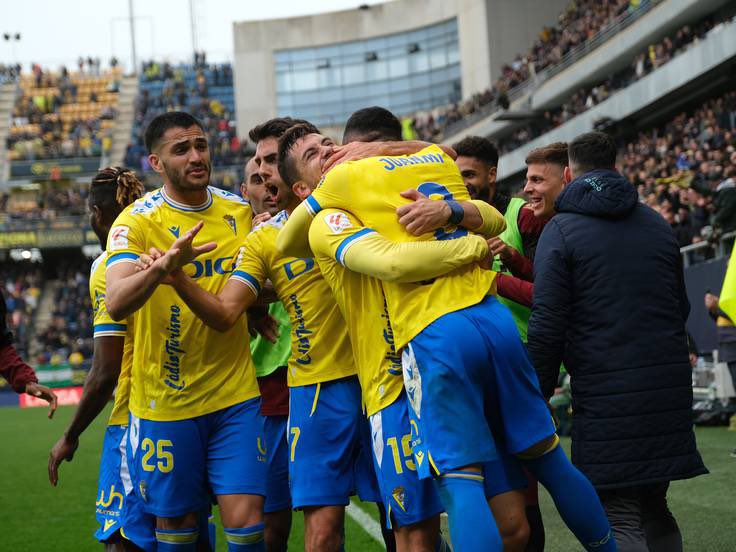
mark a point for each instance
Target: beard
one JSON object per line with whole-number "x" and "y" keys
{"x": 180, "y": 181}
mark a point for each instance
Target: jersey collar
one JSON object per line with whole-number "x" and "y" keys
{"x": 182, "y": 206}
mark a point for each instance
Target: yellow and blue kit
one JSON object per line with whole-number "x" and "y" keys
{"x": 445, "y": 381}
{"x": 194, "y": 399}
{"x": 113, "y": 509}
{"x": 327, "y": 431}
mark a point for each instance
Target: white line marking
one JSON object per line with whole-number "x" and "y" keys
{"x": 367, "y": 523}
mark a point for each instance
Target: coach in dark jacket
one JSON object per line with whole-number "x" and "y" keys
{"x": 610, "y": 302}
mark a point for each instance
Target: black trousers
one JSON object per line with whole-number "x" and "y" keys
{"x": 641, "y": 520}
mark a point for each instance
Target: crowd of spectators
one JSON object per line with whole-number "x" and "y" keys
{"x": 581, "y": 20}
{"x": 182, "y": 92}
{"x": 19, "y": 208}
{"x": 653, "y": 57}
{"x": 69, "y": 336}
{"x": 64, "y": 114}
{"x": 22, "y": 284}
{"x": 686, "y": 169}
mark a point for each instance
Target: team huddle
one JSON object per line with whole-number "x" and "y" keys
{"x": 367, "y": 271}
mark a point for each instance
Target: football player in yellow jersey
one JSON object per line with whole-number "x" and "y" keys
{"x": 413, "y": 503}
{"x": 195, "y": 423}
{"x": 453, "y": 331}
{"x": 112, "y": 189}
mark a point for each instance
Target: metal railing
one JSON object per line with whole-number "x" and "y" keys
{"x": 530, "y": 85}
{"x": 701, "y": 251}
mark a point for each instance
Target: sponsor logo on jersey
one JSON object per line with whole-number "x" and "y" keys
{"x": 119, "y": 237}
{"x": 337, "y": 222}
{"x": 173, "y": 350}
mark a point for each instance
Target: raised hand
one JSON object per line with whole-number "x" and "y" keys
{"x": 354, "y": 151}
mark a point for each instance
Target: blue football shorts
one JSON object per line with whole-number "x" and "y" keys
{"x": 174, "y": 465}
{"x": 457, "y": 365}
{"x": 329, "y": 445}
{"x": 407, "y": 498}
{"x": 278, "y": 496}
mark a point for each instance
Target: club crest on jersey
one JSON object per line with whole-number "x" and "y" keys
{"x": 399, "y": 495}
{"x": 175, "y": 231}
{"x": 230, "y": 220}
{"x": 337, "y": 222}
{"x": 119, "y": 237}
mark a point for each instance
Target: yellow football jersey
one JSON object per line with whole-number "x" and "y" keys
{"x": 105, "y": 326}
{"x": 320, "y": 347}
{"x": 181, "y": 367}
{"x": 369, "y": 189}
{"x": 346, "y": 253}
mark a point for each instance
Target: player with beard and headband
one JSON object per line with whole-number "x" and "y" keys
{"x": 270, "y": 359}
{"x": 451, "y": 390}
{"x": 195, "y": 423}
{"x": 111, "y": 190}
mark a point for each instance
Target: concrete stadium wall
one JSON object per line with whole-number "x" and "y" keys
{"x": 491, "y": 34}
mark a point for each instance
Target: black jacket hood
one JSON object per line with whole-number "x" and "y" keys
{"x": 598, "y": 193}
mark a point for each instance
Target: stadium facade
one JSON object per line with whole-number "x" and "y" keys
{"x": 406, "y": 55}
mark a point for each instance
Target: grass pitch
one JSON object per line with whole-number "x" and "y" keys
{"x": 36, "y": 517}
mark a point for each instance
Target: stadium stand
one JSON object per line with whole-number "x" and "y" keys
{"x": 64, "y": 114}
{"x": 651, "y": 58}
{"x": 580, "y": 22}
{"x": 206, "y": 91}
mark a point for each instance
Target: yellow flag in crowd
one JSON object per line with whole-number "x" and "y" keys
{"x": 727, "y": 300}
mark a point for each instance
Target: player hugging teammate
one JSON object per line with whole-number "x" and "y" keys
{"x": 408, "y": 384}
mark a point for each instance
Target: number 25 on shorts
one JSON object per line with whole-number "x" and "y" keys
{"x": 164, "y": 458}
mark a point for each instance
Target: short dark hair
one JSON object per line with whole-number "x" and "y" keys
{"x": 287, "y": 165}
{"x": 275, "y": 128}
{"x": 161, "y": 123}
{"x": 555, "y": 153}
{"x": 478, "y": 147}
{"x": 372, "y": 124}
{"x": 592, "y": 150}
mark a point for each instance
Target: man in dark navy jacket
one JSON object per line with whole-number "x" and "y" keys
{"x": 610, "y": 302}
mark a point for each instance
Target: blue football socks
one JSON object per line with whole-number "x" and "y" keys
{"x": 472, "y": 526}
{"x": 575, "y": 499}
{"x": 247, "y": 539}
{"x": 177, "y": 540}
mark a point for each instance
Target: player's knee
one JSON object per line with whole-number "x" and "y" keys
{"x": 514, "y": 534}
{"x": 322, "y": 539}
{"x": 541, "y": 448}
{"x": 417, "y": 538}
{"x": 277, "y": 528}
{"x": 187, "y": 521}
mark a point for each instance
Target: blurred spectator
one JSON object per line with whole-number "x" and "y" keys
{"x": 22, "y": 289}
{"x": 68, "y": 338}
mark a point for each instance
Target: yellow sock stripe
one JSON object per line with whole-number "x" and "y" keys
{"x": 244, "y": 539}
{"x": 464, "y": 475}
{"x": 177, "y": 538}
{"x": 555, "y": 443}
{"x": 316, "y": 396}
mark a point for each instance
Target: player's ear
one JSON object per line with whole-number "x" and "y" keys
{"x": 155, "y": 162}
{"x": 492, "y": 176}
{"x": 301, "y": 190}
